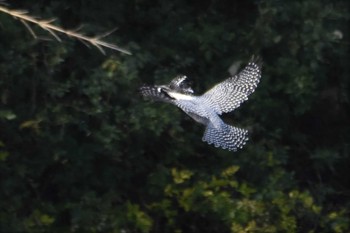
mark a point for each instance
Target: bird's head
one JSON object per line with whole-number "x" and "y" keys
{"x": 177, "y": 89}
{"x": 181, "y": 85}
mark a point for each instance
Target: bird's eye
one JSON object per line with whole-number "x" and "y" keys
{"x": 159, "y": 89}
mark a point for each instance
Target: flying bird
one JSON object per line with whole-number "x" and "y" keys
{"x": 206, "y": 109}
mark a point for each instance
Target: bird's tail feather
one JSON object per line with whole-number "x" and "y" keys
{"x": 226, "y": 137}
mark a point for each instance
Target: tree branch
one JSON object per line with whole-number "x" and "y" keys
{"x": 53, "y": 29}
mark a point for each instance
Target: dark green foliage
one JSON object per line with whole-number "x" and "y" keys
{"x": 81, "y": 151}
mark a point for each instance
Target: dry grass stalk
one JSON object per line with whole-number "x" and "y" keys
{"x": 52, "y": 29}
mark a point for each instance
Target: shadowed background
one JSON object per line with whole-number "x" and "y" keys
{"x": 81, "y": 151}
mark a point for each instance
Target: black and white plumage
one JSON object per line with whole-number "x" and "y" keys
{"x": 222, "y": 98}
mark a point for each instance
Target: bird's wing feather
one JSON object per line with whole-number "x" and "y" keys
{"x": 229, "y": 94}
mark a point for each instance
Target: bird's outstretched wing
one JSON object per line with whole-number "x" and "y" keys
{"x": 229, "y": 94}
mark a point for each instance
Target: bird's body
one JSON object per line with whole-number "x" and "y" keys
{"x": 205, "y": 109}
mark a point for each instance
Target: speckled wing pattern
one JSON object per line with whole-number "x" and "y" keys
{"x": 229, "y": 94}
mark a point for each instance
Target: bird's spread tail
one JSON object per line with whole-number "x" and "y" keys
{"x": 227, "y": 137}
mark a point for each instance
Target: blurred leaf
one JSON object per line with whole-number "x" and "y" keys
{"x": 7, "y": 115}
